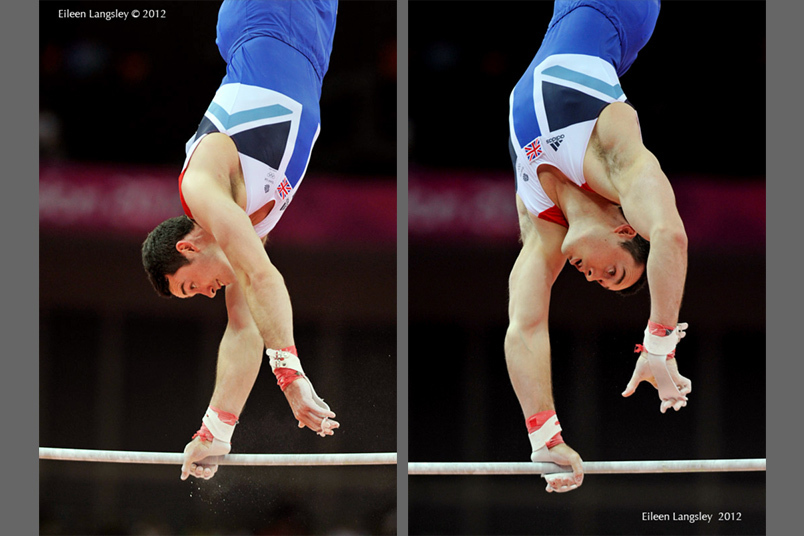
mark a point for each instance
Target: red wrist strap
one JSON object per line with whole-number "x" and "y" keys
{"x": 534, "y": 422}
{"x": 286, "y": 376}
{"x": 204, "y": 433}
{"x": 639, "y": 349}
{"x": 557, "y": 440}
{"x": 660, "y": 330}
{"x": 224, "y": 416}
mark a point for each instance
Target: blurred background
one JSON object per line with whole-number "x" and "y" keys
{"x": 122, "y": 369}
{"x": 699, "y": 89}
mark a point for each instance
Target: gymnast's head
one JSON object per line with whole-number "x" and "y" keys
{"x": 638, "y": 248}
{"x": 183, "y": 260}
{"x": 613, "y": 257}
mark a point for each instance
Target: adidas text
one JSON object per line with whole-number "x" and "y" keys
{"x": 555, "y": 141}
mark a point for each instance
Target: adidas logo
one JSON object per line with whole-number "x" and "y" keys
{"x": 555, "y": 141}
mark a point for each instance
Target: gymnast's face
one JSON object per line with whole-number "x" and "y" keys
{"x": 207, "y": 273}
{"x": 601, "y": 258}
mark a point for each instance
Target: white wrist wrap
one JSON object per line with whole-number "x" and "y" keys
{"x": 283, "y": 359}
{"x": 219, "y": 429}
{"x": 539, "y": 438}
{"x": 660, "y": 345}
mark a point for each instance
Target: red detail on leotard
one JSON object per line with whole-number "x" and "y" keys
{"x": 181, "y": 196}
{"x": 554, "y": 215}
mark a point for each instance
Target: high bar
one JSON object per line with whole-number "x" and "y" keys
{"x": 175, "y": 458}
{"x": 528, "y": 468}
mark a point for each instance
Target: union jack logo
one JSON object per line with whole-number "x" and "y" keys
{"x": 284, "y": 188}
{"x": 533, "y": 150}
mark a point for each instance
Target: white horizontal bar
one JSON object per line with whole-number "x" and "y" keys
{"x": 175, "y": 458}
{"x": 528, "y": 468}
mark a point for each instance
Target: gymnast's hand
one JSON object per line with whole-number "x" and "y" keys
{"x": 563, "y": 454}
{"x": 661, "y": 373}
{"x": 201, "y": 457}
{"x": 309, "y": 409}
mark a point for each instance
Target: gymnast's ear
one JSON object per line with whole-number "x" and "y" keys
{"x": 185, "y": 246}
{"x": 625, "y": 231}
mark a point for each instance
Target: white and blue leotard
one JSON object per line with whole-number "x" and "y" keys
{"x": 277, "y": 53}
{"x": 574, "y": 75}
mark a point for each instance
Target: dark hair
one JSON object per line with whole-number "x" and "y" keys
{"x": 160, "y": 257}
{"x": 639, "y": 248}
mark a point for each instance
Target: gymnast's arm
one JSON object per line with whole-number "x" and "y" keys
{"x": 239, "y": 360}
{"x": 527, "y": 340}
{"x": 648, "y": 202}
{"x": 649, "y": 205}
{"x": 207, "y": 190}
{"x": 633, "y": 177}
{"x": 239, "y": 355}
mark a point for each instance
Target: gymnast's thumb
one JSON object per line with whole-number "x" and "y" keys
{"x": 630, "y": 388}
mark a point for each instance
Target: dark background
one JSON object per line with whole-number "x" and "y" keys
{"x": 121, "y": 369}
{"x": 699, "y": 89}
{"x": 134, "y": 91}
{"x": 698, "y": 85}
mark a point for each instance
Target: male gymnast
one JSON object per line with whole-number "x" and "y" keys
{"x": 243, "y": 166}
{"x": 589, "y": 193}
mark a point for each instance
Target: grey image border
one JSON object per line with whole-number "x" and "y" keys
{"x": 20, "y": 209}
{"x": 782, "y": 142}
{"x": 402, "y": 266}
